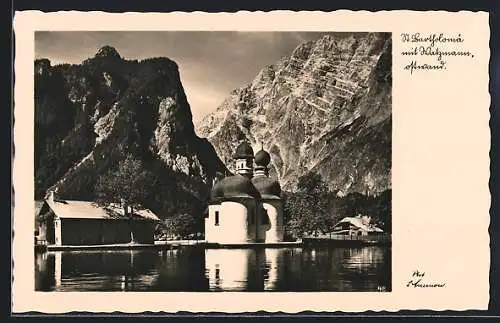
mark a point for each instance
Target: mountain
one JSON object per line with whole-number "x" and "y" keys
{"x": 325, "y": 108}
{"x": 89, "y": 116}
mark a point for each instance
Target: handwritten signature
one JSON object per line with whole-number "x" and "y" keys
{"x": 418, "y": 281}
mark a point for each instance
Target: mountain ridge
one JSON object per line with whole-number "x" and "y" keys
{"x": 325, "y": 108}
{"x": 88, "y": 116}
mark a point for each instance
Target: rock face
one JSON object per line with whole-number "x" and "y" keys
{"x": 88, "y": 117}
{"x": 326, "y": 108}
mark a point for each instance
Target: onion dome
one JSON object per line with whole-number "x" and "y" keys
{"x": 216, "y": 192}
{"x": 262, "y": 158}
{"x": 267, "y": 187}
{"x": 243, "y": 151}
{"x": 234, "y": 186}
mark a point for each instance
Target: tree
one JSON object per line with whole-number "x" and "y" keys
{"x": 317, "y": 195}
{"x": 297, "y": 214}
{"x": 130, "y": 184}
{"x": 307, "y": 210}
{"x": 182, "y": 224}
{"x": 335, "y": 212}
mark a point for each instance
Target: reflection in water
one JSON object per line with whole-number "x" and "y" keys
{"x": 227, "y": 269}
{"x": 96, "y": 270}
{"x": 271, "y": 268}
{"x": 198, "y": 269}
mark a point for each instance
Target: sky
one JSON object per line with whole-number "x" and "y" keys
{"x": 211, "y": 63}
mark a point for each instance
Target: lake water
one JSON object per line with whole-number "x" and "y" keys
{"x": 197, "y": 269}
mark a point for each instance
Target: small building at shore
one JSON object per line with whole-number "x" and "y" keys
{"x": 68, "y": 222}
{"x": 356, "y": 226}
{"x": 246, "y": 207}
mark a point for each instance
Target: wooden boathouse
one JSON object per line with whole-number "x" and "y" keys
{"x": 80, "y": 223}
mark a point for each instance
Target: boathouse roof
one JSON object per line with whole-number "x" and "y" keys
{"x": 70, "y": 209}
{"x": 358, "y": 222}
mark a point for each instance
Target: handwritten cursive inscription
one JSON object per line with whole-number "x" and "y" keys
{"x": 418, "y": 66}
{"x": 432, "y": 39}
{"x": 432, "y": 52}
{"x": 417, "y": 281}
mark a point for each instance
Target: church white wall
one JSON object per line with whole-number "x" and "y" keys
{"x": 233, "y": 226}
{"x": 210, "y": 228}
{"x": 274, "y": 210}
{"x": 238, "y": 222}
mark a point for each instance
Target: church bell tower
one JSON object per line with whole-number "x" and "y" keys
{"x": 244, "y": 159}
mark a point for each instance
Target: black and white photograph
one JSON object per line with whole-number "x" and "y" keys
{"x": 213, "y": 161}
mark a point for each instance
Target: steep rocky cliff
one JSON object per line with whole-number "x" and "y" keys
{"x": 326, "y": 108}
{"x": 88, "y": 117}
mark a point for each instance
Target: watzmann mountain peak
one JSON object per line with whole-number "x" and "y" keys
{"x": 326, "y": 108}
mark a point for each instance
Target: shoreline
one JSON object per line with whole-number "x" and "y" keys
{"x": 175, "y": 244}
{"x": 164, "y": 246}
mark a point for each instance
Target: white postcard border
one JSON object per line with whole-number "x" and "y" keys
{"x": 441, "y": 141}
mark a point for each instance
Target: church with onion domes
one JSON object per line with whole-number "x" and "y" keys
{"x": 246, "y": 207}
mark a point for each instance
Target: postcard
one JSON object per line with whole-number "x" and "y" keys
{"x": 251, "y": 161}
